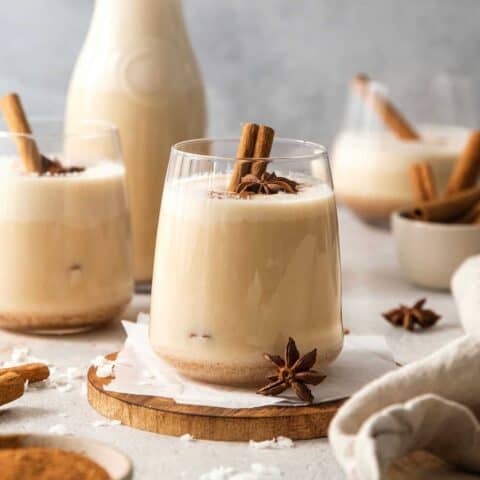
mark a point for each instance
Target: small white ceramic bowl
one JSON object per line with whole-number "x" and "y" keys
{"x": 430, "y": 252}
{"x": 117, "y": 465}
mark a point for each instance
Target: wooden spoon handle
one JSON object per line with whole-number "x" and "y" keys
{"x": 33, "y": 372}
{"x": 11, "y": 387}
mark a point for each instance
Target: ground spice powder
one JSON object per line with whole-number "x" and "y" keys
{"x": 36, "y": 463}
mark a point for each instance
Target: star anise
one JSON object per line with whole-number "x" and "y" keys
{"x": 267, "y": 183}
{"x": 409, "y": 317}
{"x": 293, "y": 372}
{"x": 55, "y": 167}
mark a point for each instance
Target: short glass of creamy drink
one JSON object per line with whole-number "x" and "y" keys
{"x": 237, "y": 274}
{"x": 379, "y": 142}
{"x": 65, "y": 248}
{"x": 371, "y": 169}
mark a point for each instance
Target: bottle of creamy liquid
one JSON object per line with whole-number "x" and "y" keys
{"x": 138, "y": 71}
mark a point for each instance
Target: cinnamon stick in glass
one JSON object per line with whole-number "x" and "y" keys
{"x": 263, "y": 147}
{"x": 423, "y": 182}
{"x": 446, "y": 209}
{"x": 17, "y": 123}
{"x": 466, "y": 169}
{"x": 245, "y": 150}
{"x": 390, "y": 115}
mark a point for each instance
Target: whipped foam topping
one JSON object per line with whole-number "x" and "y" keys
{"x": 78, "y": 199}
{"x": 206, "y": 195}
{"x": 12, "y": 168}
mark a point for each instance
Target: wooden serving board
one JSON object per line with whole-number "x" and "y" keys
{"x": 163, "y": 415}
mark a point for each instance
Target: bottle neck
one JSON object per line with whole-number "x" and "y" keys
{"x": 136, "y": 17}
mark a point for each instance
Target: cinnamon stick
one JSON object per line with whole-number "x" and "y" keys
{"x": 12, "y": 387}
{"x": 423, "y": 182}
{"x": 263, "y": 147}
{"x": 33, "y": 372}
{"x": 467, "y": 167}
{"x": 447, "y": 209}
{"x": 17, "y": 123}
{"x": 245, "y": 150}
{"x": 385, "y": 109}
{"x": 471, "y": 216}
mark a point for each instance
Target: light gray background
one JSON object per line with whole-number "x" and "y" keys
{"x": 284, "y": 62}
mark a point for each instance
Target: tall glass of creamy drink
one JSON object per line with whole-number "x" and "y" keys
{"x": 237, "y": 274}
{"x": 65, "y": 248}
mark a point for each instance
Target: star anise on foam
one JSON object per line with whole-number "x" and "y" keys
{"x": 267, "y": 183}
{"x": 295, "y": 372}
{"x": 54, "y": 167}
{"x": 410, "y": 317}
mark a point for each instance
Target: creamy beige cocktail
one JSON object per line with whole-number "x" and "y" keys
{"x": 235, "y": 277}
{"x": 64, "y": 248}
{"x": 371, "y": 169}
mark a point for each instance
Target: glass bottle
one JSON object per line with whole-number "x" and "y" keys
{"x": 138, "y": 71}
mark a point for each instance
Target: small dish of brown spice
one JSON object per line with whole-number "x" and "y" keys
{"x": 54, "y": 457}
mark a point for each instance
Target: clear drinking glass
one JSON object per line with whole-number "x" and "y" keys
{"x": 371, "y": 165}
{"x": 235, "y": 276}
{"x": 65, "y": 248}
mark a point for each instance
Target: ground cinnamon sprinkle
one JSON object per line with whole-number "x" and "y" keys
{"x": 36, "y": 463}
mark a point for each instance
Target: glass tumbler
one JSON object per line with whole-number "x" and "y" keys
{"x": 371, "y": 164}
{"x": 65, "y": 248}
{"x": 237, "y": 275}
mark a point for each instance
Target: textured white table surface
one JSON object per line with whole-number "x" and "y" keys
{"x": 372, "y": 283}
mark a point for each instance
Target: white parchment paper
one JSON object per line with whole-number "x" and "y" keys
{"x": 139, "y": 371}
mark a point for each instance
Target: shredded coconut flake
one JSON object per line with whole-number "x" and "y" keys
{"x": 58, "y": 429}
{"x": 275, "y": 443}
{"x": 218, "y": 473}
{"x": 64, "y": 388}
{"x": 20, "y": 354}
{"x": 257, "y": 472}
{"x": 104, "y": 366}
{"x": 74, "y": 373}
{"x": 186, "y": 438}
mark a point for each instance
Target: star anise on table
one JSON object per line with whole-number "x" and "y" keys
{"x": 294, "y": 371}
{"x": 410, "y": 317}
{"x": 267, "y": 183}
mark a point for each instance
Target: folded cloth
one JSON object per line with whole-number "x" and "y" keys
{"x": 432, "y": 404}
{"x": 466, "y": 291}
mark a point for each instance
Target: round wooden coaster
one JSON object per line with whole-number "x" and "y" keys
{"x": 163, "y": 415}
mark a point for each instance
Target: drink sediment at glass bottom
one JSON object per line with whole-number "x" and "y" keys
{"x": 235, "y": 277}
{"x": 64, "y": 249}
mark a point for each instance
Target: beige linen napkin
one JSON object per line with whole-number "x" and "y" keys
{"x": 429, "y": 404}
